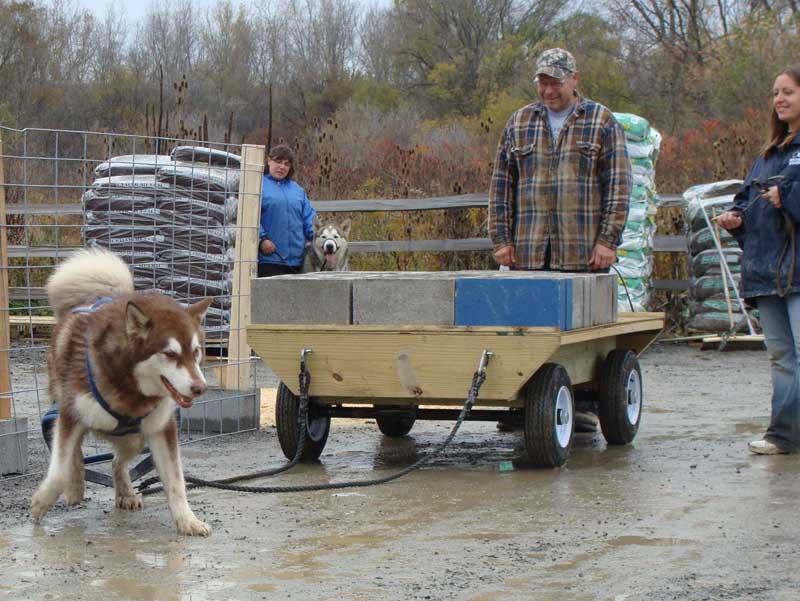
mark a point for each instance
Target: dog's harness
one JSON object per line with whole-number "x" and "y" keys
{"x": 125, "y": 424}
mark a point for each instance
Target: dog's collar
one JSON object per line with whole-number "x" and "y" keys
{"x": 125, "y": 424}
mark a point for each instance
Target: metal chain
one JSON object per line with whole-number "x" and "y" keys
{"x": 478, "y": 379}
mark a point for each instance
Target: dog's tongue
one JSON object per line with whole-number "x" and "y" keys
{"x": 330, "y": 258}
{"x": 183, "y": 401}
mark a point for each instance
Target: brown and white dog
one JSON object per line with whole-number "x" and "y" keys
{"x": 118, "y": 369}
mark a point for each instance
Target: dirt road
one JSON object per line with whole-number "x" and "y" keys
{"x": 683, "y": 513}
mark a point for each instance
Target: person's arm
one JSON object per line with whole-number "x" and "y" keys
{"x": 308, "y": 217}
{"x": 263, "y": 235}
{"x": 501, "y": 200}
{"x": 789, "y": 194}
{"x": 615, "y": 185}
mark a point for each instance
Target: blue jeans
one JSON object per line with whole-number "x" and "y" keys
{"x": 780, "y": 320}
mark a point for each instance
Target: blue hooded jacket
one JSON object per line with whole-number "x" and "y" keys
{"x": 764, "y": 235}
{"x": 287, "y": 219}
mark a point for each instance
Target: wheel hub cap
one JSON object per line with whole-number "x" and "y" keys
{"x": 564, "y": 416}
{"x": 633, "y": 394}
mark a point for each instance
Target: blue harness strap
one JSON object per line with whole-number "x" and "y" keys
{"x": 125, "y": 423}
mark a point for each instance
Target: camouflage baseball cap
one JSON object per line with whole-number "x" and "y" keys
{"x": 557, "y": 63}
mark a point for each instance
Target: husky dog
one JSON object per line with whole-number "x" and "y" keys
{"x": 328, "y": 250}
{"x": 118, "y": 367}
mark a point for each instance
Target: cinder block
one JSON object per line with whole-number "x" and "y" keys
{"x": 301, "y": 299}
{"x": 404, "y": 301}
{"x": 221, "y": 410}
{"x": 13, "y": 446}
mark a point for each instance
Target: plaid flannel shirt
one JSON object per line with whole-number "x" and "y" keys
{"x": 572, "y": 194}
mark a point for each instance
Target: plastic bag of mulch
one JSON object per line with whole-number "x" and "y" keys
{"x": 716, "y": 322}
{"x": 636, "y": 128}
{"x": 714, "y": 205}
{"x": 201, "y": 177}
{"x": 129, "y": 164}
{"x": 712, "y": 189}
{"x": 208, "y": 156}
{"x": 704, "y": 240}
{"x": 710, "y": 285}
{"x": 708, "y": 262}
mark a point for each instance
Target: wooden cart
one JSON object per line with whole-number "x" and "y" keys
{"x": 398, "y": 374}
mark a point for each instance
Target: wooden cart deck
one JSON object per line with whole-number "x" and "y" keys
{"x": 416, "y": 364}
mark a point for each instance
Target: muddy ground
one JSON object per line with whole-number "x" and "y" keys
{"x": 683, "y": 513}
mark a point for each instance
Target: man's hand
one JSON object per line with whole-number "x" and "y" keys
{"x": 730, "y": 220}
{"x": 602, "y": 257}
{"x": 267, "y": 246}
{"x": 505, "y": 255}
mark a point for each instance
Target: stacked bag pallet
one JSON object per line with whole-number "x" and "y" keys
{"x": 172, "y": 219}
{"x": 712, "y": 303}
{"x": 635, "y": 253}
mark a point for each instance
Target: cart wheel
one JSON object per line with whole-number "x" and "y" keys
{"x": 395, "y": 426}
{"x": 620, "y": 396}
{"x": 549, "y": 416}
{"x": 287, "y": 410}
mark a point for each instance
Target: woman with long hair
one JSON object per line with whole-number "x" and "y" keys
{"x": 765, "y": 221}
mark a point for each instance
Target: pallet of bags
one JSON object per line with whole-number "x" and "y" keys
{"x": 172, "y": 219}
{"x": 713, "y": 306}
{"x": 635, "y": 253}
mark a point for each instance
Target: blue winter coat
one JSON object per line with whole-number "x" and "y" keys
{"x": 287, "y": 219}
{"x": 763, "y": 235}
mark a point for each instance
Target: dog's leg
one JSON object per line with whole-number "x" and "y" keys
{"x": 66, "y": 443}
{"x": 125, "y": 449}
{"x": 76, "y": 486}
{"x": 164, "y": 446}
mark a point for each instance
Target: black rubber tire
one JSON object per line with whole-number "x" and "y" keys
{"x": 395, "y": 427}
{"x": 287, "y": 410}
{"x": 620, "y": 395}
{"x": 543, "y": 421}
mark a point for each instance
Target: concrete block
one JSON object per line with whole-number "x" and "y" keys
{"x": 13, "y": 446}
{"x": 221, "y": 410}
{"x": 300, "y": 299}
{"x": 404, "y": 301}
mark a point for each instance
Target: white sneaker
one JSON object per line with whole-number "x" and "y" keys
{"x": 764, "y": 447}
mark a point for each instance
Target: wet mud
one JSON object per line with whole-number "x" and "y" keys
{"x": 682, "y": 513}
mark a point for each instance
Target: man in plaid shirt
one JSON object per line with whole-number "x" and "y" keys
{"x": 561, "y": 181}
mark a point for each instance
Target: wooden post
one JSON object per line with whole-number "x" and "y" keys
{"x": 236, "y": 374}
{"x": 5, "y": 339}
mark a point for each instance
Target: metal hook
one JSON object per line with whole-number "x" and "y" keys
{"x": 487, "y": 354}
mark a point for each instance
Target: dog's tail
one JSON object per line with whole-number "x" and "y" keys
{"x": 85, "y": 277}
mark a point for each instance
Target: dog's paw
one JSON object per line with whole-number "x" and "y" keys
{"x": 39, "y": 507}
{"x": 191, "y": 526}
{"x": 73, "y": 496}
{"x": 129, "y": 502}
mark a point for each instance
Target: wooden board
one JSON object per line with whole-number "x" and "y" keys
{"x": 739, "y": 342}
{"x": 437, "y": 362}
{"x": 236, "y": 376}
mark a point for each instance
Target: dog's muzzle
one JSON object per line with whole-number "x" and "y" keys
{"x": 329, "y": 247}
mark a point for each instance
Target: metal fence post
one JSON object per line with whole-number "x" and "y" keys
{"x": 5, "y": 339}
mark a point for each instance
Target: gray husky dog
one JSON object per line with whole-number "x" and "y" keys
{"x": 328, "y": 250}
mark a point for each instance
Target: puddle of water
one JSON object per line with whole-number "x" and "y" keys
{"x": 622, "y": 541}
{"x": 262, "y": 588}
{"x": 754, "y": 425}
{"x": 135, "y": 590}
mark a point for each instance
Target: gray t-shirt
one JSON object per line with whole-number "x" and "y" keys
{"x": 557, "y": 119}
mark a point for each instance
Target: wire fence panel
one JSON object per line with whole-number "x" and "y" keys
{"x": 174, "y": 211}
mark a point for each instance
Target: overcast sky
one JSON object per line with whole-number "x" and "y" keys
{"x": 134, "y": 11}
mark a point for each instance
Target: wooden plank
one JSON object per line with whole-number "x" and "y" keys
{"x": 738, "y": 342}
{"x": 463, "y": 244}
{"x": 236, "y": 375}
{"x": 27, "y": 293}
{"x": 406, "y": 363}
{"x": 674, "y": 285}
{"x": 18, "y": 251}
{"x": 45, "y": 209}
{"x": 35, "y": 320}
{"x": 5, "y": 335}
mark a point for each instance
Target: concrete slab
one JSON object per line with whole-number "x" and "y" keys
{"x": 404, "y": 301}
{"x": 301, "y": 300}
{"x": 222, "y": 410}
{"x": 13, "y": 446}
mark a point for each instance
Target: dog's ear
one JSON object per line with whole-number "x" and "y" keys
{"x": 345, "y": 228}
{"x": 137, "y": 324}
{"x": 317, "y": 223}
{"x": 198, "y": 310}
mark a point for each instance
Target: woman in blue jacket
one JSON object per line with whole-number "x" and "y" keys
{"x": 287, "y": 219}
{"x": 765, "y": 220}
